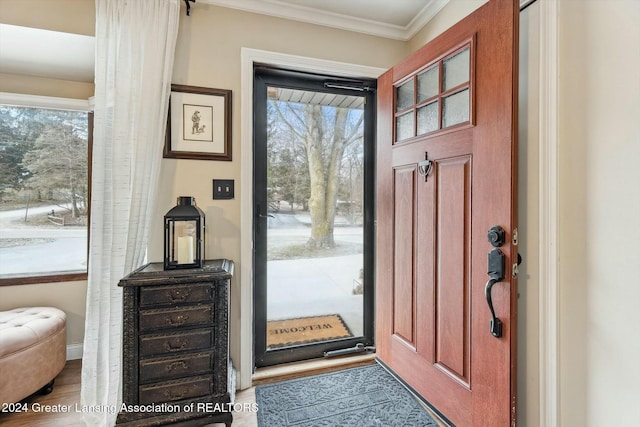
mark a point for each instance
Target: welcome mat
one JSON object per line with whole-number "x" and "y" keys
{"x": 302, "y": 330}
{"x": 366, "y": 396}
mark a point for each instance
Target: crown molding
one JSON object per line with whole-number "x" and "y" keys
{"x": 425, "y": 15}
{"x": 281, "y": 9}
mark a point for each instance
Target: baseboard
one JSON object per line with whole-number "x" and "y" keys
{"x": 74, "y": 351}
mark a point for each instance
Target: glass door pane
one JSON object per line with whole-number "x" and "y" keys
{"x": 315, "y": 217}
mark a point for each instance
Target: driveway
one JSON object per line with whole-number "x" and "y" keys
{"x": 53, "y": 248}
{"x": 313, "y": 286}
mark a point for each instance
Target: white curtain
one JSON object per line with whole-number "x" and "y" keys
{"x": 135, "y": 44}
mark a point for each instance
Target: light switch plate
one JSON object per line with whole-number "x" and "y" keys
{"x": 223, "y": 189}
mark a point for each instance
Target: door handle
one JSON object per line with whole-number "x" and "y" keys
{"x": 495, "y": 270}
{"x": 266, "y": 216}
{"x": 496, "y": 274}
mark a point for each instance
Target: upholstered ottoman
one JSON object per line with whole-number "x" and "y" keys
{"x": 33, "y": 350}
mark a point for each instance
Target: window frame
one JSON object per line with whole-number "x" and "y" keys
{"x": 55, "y": 103}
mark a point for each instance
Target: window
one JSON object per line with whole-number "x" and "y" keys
{"x": 44, "y": 190}
{"x": 437, "y": 97}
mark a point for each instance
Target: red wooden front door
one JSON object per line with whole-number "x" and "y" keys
{"x": 453, "y": 103}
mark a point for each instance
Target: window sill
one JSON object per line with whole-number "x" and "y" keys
{"x": 24, "y": 279}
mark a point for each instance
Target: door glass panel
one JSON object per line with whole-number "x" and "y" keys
{"x": 428, "y": 118}
{"x": 428, "y": 84}
{"x": 404, "y": 126}
{"x": 455, "y": 108}
{"x": 456, "y": 70}
{"x": 404, "y": 96}
{"x": 315, "y": 198}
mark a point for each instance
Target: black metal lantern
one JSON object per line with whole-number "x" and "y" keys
{"x": 184, "y": 235}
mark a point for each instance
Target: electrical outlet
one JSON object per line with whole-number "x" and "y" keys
{"x": 223, "y": 189}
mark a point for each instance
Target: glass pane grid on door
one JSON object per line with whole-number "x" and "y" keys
{"x": 436, "y": 98}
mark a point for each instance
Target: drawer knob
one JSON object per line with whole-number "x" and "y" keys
{"x": 179, "y": 346}
{"x": 174, "y": 394}
{"x": 178, "y": 295}
{"x": 179, "y": 320}
{"x": 178, "y": 364}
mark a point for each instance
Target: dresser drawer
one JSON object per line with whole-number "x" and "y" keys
{"x": 170, "y": 391}
{"x": 173, "y": 367}
{"x": 157, "y": 344}
{"x": 163, "y": 318}
{"x": 176, "y": 294}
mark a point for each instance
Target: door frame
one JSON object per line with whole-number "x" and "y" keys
{"x": 249, "y": 57}
{"x": 549, "y": 305}
{"x": 548, "y": 371}
{"x": 265, "y": 77}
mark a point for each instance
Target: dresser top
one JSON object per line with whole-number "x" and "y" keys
{"x": 212, "y": 269}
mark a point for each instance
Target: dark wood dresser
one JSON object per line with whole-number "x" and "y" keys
{"x": 176, "y": 346}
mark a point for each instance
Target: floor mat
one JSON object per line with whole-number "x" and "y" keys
{"x": 302, "y": 330}
{"x": 366, "y": 396}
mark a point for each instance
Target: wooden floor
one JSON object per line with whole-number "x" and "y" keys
{"x": 66, "y": 393}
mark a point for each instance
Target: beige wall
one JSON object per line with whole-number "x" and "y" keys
{"x": 453, "y": 12}
{"x": 69, "y": 297}
{"x": 208, "y": 54}
{"x": 69, "y": 16}
{"x": 599, "y": 212}
{"x": 31, "y": 85}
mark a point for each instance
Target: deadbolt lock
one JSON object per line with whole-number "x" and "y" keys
{"x": 496, "y": 236}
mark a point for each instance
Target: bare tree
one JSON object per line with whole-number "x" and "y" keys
{"x": 58, "y": 163}
{"x": 325, "y": 133}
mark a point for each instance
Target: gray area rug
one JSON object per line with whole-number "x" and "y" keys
{"x": 366, "y": 396}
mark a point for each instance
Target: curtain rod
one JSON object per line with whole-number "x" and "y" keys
{"x": 189, "y": 6}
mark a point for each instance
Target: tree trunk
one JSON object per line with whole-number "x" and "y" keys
{"x": 317, "y": 199}
{"x": 333, "y": 171}
{"x": 324, "y": 180}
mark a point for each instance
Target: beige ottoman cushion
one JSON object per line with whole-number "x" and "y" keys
{"x": 32, "y": 350}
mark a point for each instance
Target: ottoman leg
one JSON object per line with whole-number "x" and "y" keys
{"x": 47, "y": 388}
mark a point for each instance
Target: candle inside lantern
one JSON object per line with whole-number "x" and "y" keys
{"x": 185, "y": 250}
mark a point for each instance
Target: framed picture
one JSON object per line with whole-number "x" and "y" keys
{"x": 199, "y": 124}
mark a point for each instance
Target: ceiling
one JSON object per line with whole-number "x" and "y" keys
{"x": 53, "y": 54}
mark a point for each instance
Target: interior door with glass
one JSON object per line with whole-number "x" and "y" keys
{"x": 313, "y": 215}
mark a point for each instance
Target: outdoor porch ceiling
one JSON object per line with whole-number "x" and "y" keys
{"x": 315, "y": 98}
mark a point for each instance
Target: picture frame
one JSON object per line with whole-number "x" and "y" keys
{"x": 198, "y": 124}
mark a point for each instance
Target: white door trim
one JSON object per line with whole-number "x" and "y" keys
{"x": 548, "y": 239}
{"x": 248, "y": 58}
